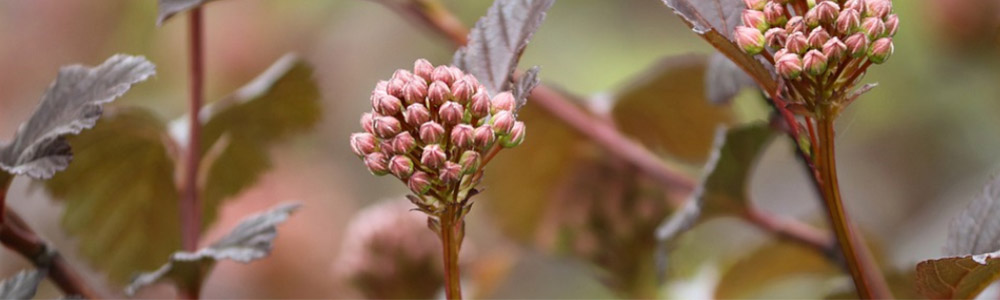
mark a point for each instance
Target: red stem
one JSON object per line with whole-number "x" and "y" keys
{"x": 17, "y": 236}
{"x": 190, "y": 206}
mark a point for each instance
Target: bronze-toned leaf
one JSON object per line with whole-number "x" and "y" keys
{"x": 957, "y": 277}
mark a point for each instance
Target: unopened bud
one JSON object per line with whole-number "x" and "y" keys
{"x": 442, "y": 73}
{"x": 516, "y": 136}
{"x": 881, "y": 50}
{"x": 774, "y": 14}
{"x": 879, "y": 8}
{"x": 403, "y": 143}
{"x": 416, "y": 114}
{"x": 797, "y": 43}
{"x": 818, "y": 37}
{"x": 462, "y": 89}
{"x": 873, "y": 27}
{"x": 891, "y": 25}
{"x": 395, "y": 87}
{"x": 415, "y": 91}
{"x": 503, "y": 101}
{"x": 775, "y": 38}
{"x": 450, "y": 113}
{"x": 848, "y": 22}
{"x": 380, "y": 88}
{"x": 386, "y": 127}
{"x": 469, "y": 161}
{"x": 450, "y": 173}
{"x": 461, "y": 136}
{"x": 456, "y": 73}
{"x": 827, "y": 12}
{"x": 438, "y": 93}
{"x": 502, "y": 122}
{"x": 811, "y": 18}
{"x": 431, "y": 133}
{"x": 483, "y": 137}
{"x": 377, "y": 163}
{"x": 402, "y": 75}
{"x": 814, "y": 62}
{"x": 423, "y": 68}
{"x": 795, "y": 24}
{"x": 433, "y": 156}
{"x": 401, "y": 166}
{"x": 387, "y": 105}
{"x": 749, "y": 39}
{"x": 754, "y": 19}
{"x": 364, "y": 143}
{"x": 834, "y": 49}
{"x": 857, "y": 45}
{"x": 367, "y": 119}
{"x": 755, "y": 4}
{"x": 480, "y": 104}
{"x": 789, "y": 66}
{"x": 419, "y": 182}
{"x": 857, "y": 5}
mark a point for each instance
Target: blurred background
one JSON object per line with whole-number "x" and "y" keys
{"x": 912, "y": 153}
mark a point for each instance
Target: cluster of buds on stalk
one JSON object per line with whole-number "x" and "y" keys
{"x": 820, "y": 47}
{"x": 434, "y": 128}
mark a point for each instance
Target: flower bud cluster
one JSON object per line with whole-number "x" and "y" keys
{"x": 829, "y": 36}
{"x": 432, "y": 126}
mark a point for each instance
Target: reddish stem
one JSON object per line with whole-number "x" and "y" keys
{"x": 17, "y": 236}
{"x": 792, "y": 230}
{"x": 190, "y": 206}
{"x": 451, "y": 242}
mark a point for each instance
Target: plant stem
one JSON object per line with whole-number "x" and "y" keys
{"x": 190, "y": 206}
{"x": 867, "y": 280}
{"x": 17, "y": 236}
{"x": 451, "y": 242}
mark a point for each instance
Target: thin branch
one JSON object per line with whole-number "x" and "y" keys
{"x": 17, "y": 236}
{"x": 190, "y": 205}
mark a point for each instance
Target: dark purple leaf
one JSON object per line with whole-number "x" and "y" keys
{"x": 977, "y": 229}
{"x": 524, "y": 85}
{"x": 724, "y": 80}
{"x": 71, "y": 104}
{"x": 498, "y": 40}
{"x": 706, "y": 15}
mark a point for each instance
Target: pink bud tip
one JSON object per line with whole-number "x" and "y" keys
{"x": 789, "y": 66}
{"x": 749, "y": 39}
{"x": 438, "y": 93}
{"x": 450, "y": 172}
{"x": 827, "y": 12}
{"x": 423, "y": 68}
{"x": 879, "y": 8}
{"x": 754, "y": 19}
{"x": 386, "y": 127}
{"x": 387, "y": 105}
{"x": 848, "y": 22}
{"x": 516, "y": 136}
{"x": 442, "y": 73}
{"x": 401, "y": 166}
{"x": 403, "y": 143}
{"x": 461, "y": 136}
{"x": 834, "y": 49}
{"x": 367, "y": 119}
{"x": 463, "y": 90}
{"x": 431, "y": 133}
{"x": 873, "y": 27}
{"x": 891, "y": 25}
{"x": 480, "y": 104}
{"x": 818, "y": 37}
{"x": 419, "y": 182}
{"x": 403, "y": 75}
{"x": 415, "y": 91}
{"x": 811, "y": 18}
{"x": 881, "y": 50}
{"x": 377, "y": 163}
{"x": 433, "y": 156}
{"x": 755, "y": 4}
{"x": 795, "y": 24}
{"x": 395, "y": 87}
{"x": 857, "y": 5}
{"x": 503, "y": 101}
{"x": 502, "y": 122}
{"x": 483, "y": 137}
{"x": 774, "y": 14}
{"x": 416, "y": 114}
{"x": 470, "y": 161}
{"x": 815, "y": 62}
{"x": 775, "y": 38}
{"x": 363, "y": 143}
{"x": 857, "y": 45}
{"x": 797, "y": 43}
{"x": 451, "y": 113}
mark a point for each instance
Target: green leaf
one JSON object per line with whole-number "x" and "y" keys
{"x": 21, "y": 286}
{"x": 770, "y": 264}
{"x": 251, "y": 240}
{"x": 724, "y": 191}
{"x": 666, "y": 109}
{"x": 281, "y": 102}
{"x": 957, "y": 277}
{"x": 120, "y": 194}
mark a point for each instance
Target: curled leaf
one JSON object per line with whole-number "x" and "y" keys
{"x": 21, "y": 286}
{"x": 524, "y": 85}
{"x": 71, "y": 104}
{"x": 498, "y": 40}
{"x": 252, "y": 239}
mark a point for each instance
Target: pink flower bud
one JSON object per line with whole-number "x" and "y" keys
{"x": 438, "y": 93}
{"x": 423, "y": 68}
{"x": 415, "y": 91}
{"x": 795, "y": 24}
{"x": 419, "y": 182}
{"x": 827, "y": 12}
{"x": 873, "y": 27}
{"x": 749, "y": 39}
{"x": 380, "y": 87}
{"x": 403, "y": 75}
{"x": 401, "y": 166}
{"x": 364, "y": 143}
{"x": 818, "y": 37}
{"x": 472, "y": 82}
{"x": 811, "y": 18}
{"x": 387, "y": 105}
{"x": 416, "y": 114}
{"x": 834, "y": 49}
{"x": 755, "y": 4}
{"x": 754, "y": 19}
{"x": 455, "y": 72}
{"x": 386, "y": 127}
{"x": 395, "y": 87}
{"x": 814, "y": 62}
{"x": 385, "y": 147}
{"x": 403, "y": 143}
{"x": 480, "y": 104}
{"x": 848, "y": 22}
{"x": 461, "y": 136}
{"x": 503, "y": 101}
{"x": 442, "y": 73}
{"x": 857, "y": 5}
{"x": 463, "y": 90}
{"x": 469, "y": 161}
{"x": 789, "y": 66}
{"x": 775, "y": 38}
{"x": 433, "y": 156}
{"x": 797, "y": 43}
{"x": 891, "y": 25}
{"x": 516, "y": 136}
{"x": 502, "y": 122}
{"x": 451, "y": 113}
{"x": 450, "y": 172}
{"x": 857, "y": 45}
{"x": 367, "y": 119}
{"x": 431, "y": 132}
{"x": 781, "y": 52}
{"x": 377, "y": 163}
{"x": 483, "y": 137}
{"x": 774, "y": 14}
{"x": 879, "y": 8}
{"x": 881, "y": 50}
